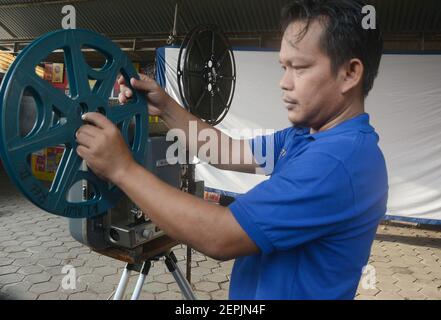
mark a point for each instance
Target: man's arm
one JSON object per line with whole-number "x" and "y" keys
{"x": 237, "y": 153}
{"x": 209, "y": 228}
{"x": 232, "y": 154}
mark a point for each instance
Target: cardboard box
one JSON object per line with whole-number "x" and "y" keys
{"x": 45, "y": 163}
{"x": 48, "y": 72}
{"x": 57, "y": 73}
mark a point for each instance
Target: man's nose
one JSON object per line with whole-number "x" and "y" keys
{"x": 286, "y": 83}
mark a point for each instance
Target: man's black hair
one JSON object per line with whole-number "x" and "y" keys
{"x": 343, "y": 37}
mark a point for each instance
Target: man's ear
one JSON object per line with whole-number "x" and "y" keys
{"x": 352, "y": 75}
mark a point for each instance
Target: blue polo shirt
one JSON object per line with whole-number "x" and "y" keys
{"x": 316, "y": 217}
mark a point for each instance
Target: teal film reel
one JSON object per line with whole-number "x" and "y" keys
{"x": 15, "y": 149}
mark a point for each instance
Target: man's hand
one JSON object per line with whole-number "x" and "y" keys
{"x": 103, "y": 148}
{"x": 157, "y": 98}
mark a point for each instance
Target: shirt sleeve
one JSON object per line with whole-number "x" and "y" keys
{"x": 266, "y": 149}
{"x": 307, "y": 200}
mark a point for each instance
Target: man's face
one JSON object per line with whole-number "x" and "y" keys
{"x": 311, "y": 92}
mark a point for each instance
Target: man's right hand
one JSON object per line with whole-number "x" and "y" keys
{"x": 157, "y": 98}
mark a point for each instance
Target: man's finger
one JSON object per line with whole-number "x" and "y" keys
{"x": 126, "y": 91}
{"x": 146, "y": 84}
{"x": 121, "y": 80}
{"x": 97, "y": 119}
{"x": 85, "y": 140}
{"x": 82, "y": 151}
{"x": 143, "y": 76}
{"x": 122, "y": 98}
{"x": 124, "y": 88}
{"x": 89, "y": 130}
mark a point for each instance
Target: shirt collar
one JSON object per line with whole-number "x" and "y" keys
{"x": 359, "y": 123}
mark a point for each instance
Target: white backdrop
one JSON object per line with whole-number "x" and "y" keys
{"x": 405, "y": 108}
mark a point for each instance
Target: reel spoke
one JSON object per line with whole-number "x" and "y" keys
{"x": 76, "y": 67}
{"x": 66, "y": 175}
{"x": 118, "y": 114}
{"x": 231, "y": 78}
{"x": 107, "y": 81}
{"x": 223, "y": 57}
{"x": 200, "y": 100}
{"x": 52, "y": 137}
{"x": 50, "y": 96}
{"x": 199, "y": 47}
{"x": 125, "y": 131}
{"x": 211, "y": 106}
{"x": 195, "y": 74}
{"x": 221, "y": 96}
{"x": 213, "y": 44}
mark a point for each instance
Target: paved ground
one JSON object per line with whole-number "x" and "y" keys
{"x": 35, "y": 246}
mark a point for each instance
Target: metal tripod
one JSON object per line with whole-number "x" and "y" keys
{"x": 144, "y": 268}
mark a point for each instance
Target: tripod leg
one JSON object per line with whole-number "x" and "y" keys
{"x": 142, "y": 275}
{"x": 122, "y": 286}
{"x": 188, "y": 264}
{"x": 184, "y": 285}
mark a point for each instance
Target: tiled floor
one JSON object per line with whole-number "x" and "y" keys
{"x": 35, "y": 246}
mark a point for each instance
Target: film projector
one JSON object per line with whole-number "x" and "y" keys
{"x": 100, "y": 215}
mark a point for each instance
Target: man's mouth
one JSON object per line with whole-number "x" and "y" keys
{"x": 291, "y": 104}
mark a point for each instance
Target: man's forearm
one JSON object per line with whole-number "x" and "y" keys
{"x": 183, "y": 217}
{"x": 177, "y": 117}
{"x": 233, "y": 155}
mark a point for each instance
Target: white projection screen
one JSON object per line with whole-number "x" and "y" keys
{"x": 405, "y": 109}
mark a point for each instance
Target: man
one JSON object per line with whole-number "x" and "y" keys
{"x": 306, "y": 233}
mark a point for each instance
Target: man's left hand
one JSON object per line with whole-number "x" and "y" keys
{"x": 102, "y": 146}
